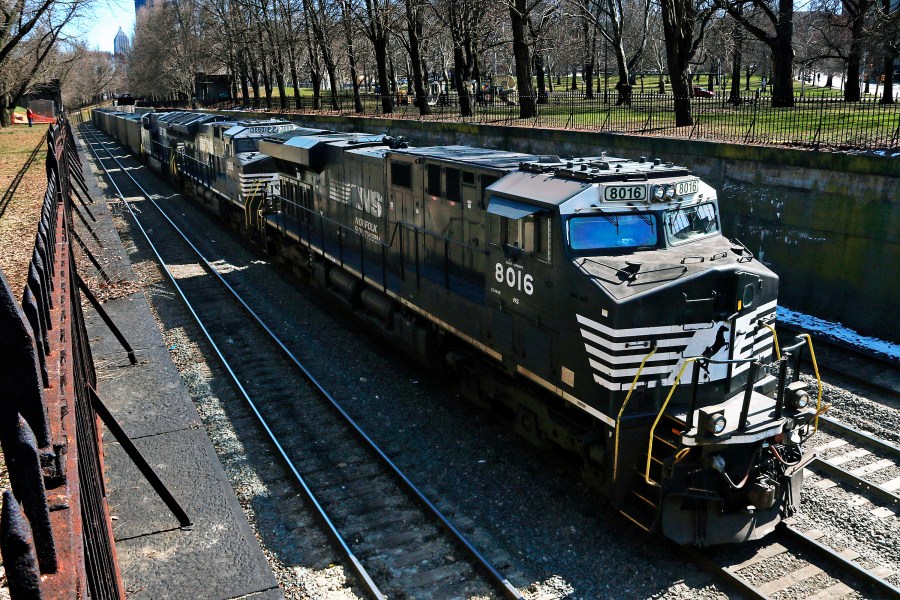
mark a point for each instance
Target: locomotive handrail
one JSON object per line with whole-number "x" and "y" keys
{"x": 659, "y": 416}
{"x": 248, "y": 205}
{"x": 812, "y": 357}
{"x": 775, "y": 338}
{"x": 622, "y": 410}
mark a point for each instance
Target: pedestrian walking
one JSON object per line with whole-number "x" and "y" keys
{"x": 30, "y": 115}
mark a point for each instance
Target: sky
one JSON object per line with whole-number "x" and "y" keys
{"x": 108, "y": 16}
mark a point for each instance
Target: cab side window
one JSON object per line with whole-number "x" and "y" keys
{"x": 433, "y": 184}
{"x": 531, "y": 234}
{"x": 401, "y": 174}
{"x": 452, "y": 191}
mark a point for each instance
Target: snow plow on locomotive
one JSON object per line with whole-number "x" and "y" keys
{"x": 594, "y": 299}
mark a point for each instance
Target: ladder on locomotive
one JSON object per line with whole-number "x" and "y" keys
{"x": 643, "y": 504}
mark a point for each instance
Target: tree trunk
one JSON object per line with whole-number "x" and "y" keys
{"x": 351, "y": 58}
{"x": 245, "y": 90}
{"x": 387, "y": 105}
{"x": 890, "y": 54}
{"x": 854, "y": 58}
{"x": 737, "y": 56}
{"x": 267, "y": 84}
{"x": 460, "y": 72}
{"x": 783, "y": 56}
{"x": 589, "y": 78}
{"x": 316, "y": 78}
{"x": 623, "y": 87}
{"x": 254, "y": 82}
{"x": 295, "y": 81}
{"x": 5, "y": 113}
{"x": 678, "y": 18}
{"x": 282, "y": 89}
{"x": 541, "y": 78}
{"x": 682, "y": 93}
{"x": 574, "y": 85}
{"x": 414, "y": 31}
{"x": 522, "y": 55}
{"x": 782, "y": 76}
{"x": 887, "y": 94}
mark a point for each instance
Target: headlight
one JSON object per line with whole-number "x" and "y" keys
{"x": 715, "y": 424}
{"x": 659, "y": 192}
{"x": 797, "y": 395}
{"x": 800, "y": 400}
{"x": 670, "y": 192}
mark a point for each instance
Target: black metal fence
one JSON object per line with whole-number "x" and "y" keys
{"x": 820, "y": 122}
{"x": 56, "y": 535}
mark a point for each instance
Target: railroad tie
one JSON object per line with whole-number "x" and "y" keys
{"x": 790, "y": 579}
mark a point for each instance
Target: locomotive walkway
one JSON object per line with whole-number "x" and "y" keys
{"x": 218, "y": 557}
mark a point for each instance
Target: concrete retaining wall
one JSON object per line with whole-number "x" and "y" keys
{"x": 827, "y": 223}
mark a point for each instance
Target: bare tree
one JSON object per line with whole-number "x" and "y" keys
{"x": 886, "y": 34}
{"x": 520, "y": 14}
{"x": 777, "y": 34}
{"x": 684, "y": 25}
{"x": 613, "y": 18}
{"x": 414, "y": 31}
{"x": 29, "y": 34}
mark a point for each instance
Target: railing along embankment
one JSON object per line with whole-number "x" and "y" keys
{"x": 56, "y": 535}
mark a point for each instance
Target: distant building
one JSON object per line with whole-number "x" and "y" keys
{"x": 121, "y": 44}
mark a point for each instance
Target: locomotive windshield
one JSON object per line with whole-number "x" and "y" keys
{"x": 612, "y": 231}
{"x": 247, "y": 145}
{"x": 683, "y": 224}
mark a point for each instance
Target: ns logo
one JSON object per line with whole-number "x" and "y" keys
{"x": 367, "y": 200}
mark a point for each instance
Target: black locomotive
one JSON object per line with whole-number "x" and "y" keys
{"x": 593, "y": 299}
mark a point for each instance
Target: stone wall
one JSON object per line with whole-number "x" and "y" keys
{"x": 827, "y": 223}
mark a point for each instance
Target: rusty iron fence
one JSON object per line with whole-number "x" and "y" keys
{"x": 55, "y": 533}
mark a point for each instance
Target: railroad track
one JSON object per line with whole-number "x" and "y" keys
{"x": 858, "y": 459}
{"x": 868, "y": 370}
{"x": 812, "y": 564}
{"x": 392, "y": 537}
{"x": 848, "y": 456}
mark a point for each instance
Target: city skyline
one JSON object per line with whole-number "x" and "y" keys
{"x": 105, "y": 22}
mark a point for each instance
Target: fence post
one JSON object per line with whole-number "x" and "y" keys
{"x": 23, "y": 459}
{"x": 17, "y": 548}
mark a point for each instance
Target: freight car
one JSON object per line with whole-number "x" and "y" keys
{"x": 593, "y": 299}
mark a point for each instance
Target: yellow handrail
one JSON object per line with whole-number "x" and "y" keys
{"x": 659, "y": 416}
{"x": 812, "y": 356}
{"x": 775, "y": 337}
{"x": 622, "y": 410}
{"x": 249, "y": 202}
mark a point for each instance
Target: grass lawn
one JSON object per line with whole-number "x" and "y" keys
{"x": 19, "y": 211}
{"x": 819, "y": 117}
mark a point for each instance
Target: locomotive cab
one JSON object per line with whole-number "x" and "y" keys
{"x": 665, "y": 335}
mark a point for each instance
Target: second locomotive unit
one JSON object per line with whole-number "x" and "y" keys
{"x": 594, "y": 299}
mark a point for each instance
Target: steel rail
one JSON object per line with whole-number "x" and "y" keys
{"x": 356, "y": 565}
{"x": 724, "y": 574}
{"x": 884, "y": 588}
{"x": 828, "y": 423}
{"x": 509, "y": 590}
{"x": 840, "y": 474}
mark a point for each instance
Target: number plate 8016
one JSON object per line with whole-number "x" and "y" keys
{"x": 619, "y": 193}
